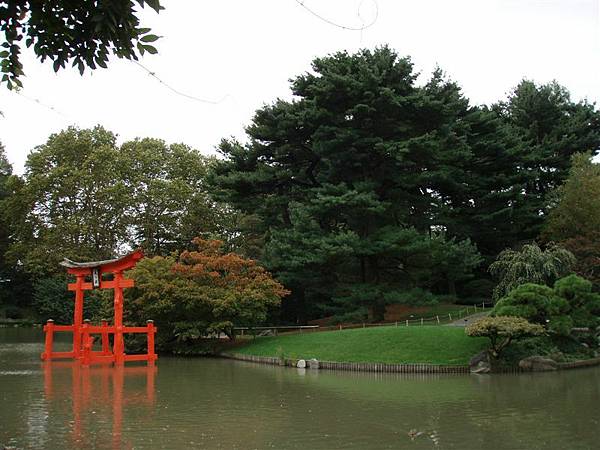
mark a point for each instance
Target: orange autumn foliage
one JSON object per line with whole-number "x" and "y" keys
{"x": 205, "y": 292}
{"x": 227, "y": 271}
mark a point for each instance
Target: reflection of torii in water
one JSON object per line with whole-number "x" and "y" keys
{"x": 82, "y": 330}
{"x": 109, "y": 391}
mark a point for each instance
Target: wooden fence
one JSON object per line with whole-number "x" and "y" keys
{"x": 439, "y": 319}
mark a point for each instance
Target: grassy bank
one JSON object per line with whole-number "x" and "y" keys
{"x": 17, "y": 322}
{"x": 393, "y": 345}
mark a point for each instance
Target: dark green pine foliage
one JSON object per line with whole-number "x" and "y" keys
{"x": 520, "y": 153}
{"x": 547, "y": 128}
{"x": 483, "y": 208}
{"x": 354, "y": 181}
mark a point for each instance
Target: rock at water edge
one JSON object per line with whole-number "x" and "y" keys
{"x": 538, "y": 364}
{"x": 480, "y": 363}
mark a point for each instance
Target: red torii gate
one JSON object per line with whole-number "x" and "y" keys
{"x": 83, "y": 330}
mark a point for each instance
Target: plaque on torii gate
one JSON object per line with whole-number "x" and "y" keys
{"x": 83, "y": 330}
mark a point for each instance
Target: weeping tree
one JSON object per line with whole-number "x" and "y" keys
{"x": 531, "y": 264}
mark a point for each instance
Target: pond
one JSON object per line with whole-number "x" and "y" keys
{"x": 215, "y": 403}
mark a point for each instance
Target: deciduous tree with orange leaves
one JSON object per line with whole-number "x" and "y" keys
{"x": 200, "y": 294}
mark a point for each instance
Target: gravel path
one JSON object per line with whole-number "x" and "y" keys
{"x": 468, "y": 320}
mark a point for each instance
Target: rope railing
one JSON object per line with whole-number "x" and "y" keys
{"x": 438, "y": 319}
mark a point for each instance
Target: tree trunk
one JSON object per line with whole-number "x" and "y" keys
{"x": 363, "y": 270}
{"x": 451, "y": 287}
{"x": 379, "y": 312}
{"x": 300, "y": 307}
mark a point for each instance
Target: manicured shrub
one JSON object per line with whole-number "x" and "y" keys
{"x": 534, "y": 302}
{"x": 502, "y": 331}
{"x": 558, "y": 348}
{"x": 570, "y": 303}
{"x": 584, "y": 305}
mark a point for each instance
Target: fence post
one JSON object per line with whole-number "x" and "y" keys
{"x": 340, "y": 327}
{"x": 421, "y": 321}
{"x": 475, "y": 306}
{"x": 396, "y": 323}
{"x": 438, "y": 319}
{"x": 406, "y": 322}
{"x": 49, "y": 329}
{"x": 450, "y": 317}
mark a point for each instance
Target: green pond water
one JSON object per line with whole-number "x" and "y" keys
{"x": 214, "y": 403}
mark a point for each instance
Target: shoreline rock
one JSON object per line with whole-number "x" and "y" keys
{"x": 538, "y": 364}
{"x": 480, "y": 363}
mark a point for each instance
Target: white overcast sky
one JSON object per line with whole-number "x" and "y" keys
{"x": 247, "y": 50}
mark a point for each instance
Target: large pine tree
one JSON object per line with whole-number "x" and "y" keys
{"x": 369, "y": 185}
{"x": 353, "y": 180}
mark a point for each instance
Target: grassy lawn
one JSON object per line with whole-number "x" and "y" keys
{"x": 417, "y": 344}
